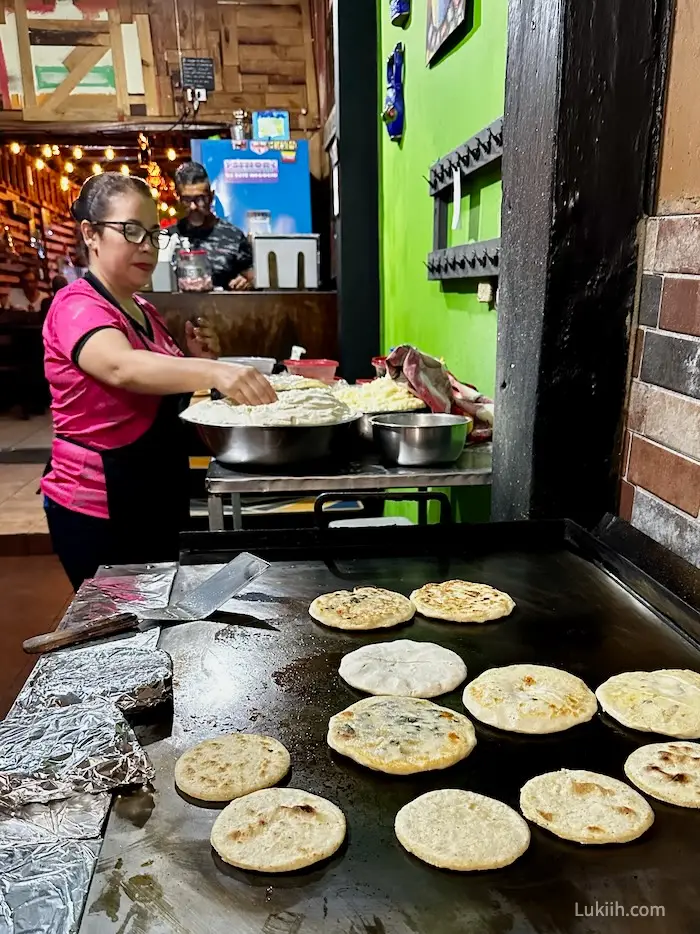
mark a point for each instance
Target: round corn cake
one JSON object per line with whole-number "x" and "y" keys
{"x": 666, "y": 701}
{"x": 401, "y": 735}
{"x": 363, "y": 608}
{"x": 227, "y": 767}
{"x": 403, "y": 668}
{"x": 462, "y": 830}
{"x": 278, "y": 830}
{"x": 585, "y": 807}
{"x": 462, "y": 602}
{"x": 667, "y": 771}
{"x": 529, "y": 699}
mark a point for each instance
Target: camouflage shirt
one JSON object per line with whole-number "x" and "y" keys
{"x": 227, "y": 247}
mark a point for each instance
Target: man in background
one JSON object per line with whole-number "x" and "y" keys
{"x": 27, "y": 296}
{"x": 228, "y": 249}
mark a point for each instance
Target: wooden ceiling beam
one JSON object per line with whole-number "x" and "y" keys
{"x": 68, "y": 25}
{"x": 70, "y": 37}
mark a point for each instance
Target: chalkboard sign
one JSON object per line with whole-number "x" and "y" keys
{"x": 198, "y": 73}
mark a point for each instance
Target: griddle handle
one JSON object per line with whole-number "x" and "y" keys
{"x": 404, "y": 496}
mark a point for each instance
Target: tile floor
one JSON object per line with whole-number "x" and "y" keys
{"x": 35, "y": 595}
{"x": 33, "y": 433}
{"x": 21, "y": 511}
{"x": 35, "y": 591}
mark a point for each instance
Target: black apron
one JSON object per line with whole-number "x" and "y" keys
{"x": 148, "y": 480}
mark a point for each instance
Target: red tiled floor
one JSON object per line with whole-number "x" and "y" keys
{"x": 35, "y": 593}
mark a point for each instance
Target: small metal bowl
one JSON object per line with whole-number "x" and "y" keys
{"x": 418, "y": 440}
{"x": 365, "y": 428}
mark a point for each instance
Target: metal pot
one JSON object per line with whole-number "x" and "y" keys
{"x": 365, "y": 428}
{"x": 418, "y": 440}
{"x": 245, "y": 446}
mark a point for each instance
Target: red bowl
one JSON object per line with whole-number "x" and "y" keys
{"x": 379, "y": 364}
{"x": 323, "y": 370}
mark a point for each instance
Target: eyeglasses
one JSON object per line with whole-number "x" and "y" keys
{"x": 200, "y": 201}
{"x": 137, "y": 233}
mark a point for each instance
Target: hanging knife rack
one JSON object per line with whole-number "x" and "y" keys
{"x": 474, "y": 260}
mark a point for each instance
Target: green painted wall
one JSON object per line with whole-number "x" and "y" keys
{"x": 445, "y": 105}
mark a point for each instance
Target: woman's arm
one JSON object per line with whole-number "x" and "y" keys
{"x": 108, "y": 356}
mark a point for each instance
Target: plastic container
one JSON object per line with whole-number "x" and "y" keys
{"x": 258, "y": 222}
{"x": 379, "y": 364}
{"x": 193, "y": 271}
{"x": 363, "y": 382}
{"x": 262, "y": 364}
{"x": 323, "y": 370}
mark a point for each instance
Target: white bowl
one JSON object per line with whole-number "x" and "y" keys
{"x": 262, "y": 364}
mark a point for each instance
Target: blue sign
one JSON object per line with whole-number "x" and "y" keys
{"x": 254, "y": 180}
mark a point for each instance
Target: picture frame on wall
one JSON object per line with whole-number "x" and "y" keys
{"x": 445, "y": 17}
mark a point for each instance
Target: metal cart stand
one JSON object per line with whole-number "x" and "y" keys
{"x": 472, "y": 469}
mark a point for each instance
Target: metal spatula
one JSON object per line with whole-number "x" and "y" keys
{"x": 197, "y": 604}
{"x": 213, "y": 593}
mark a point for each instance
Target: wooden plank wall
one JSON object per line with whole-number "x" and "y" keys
{"x": 265, "y": 52}
{"x": 262, "y": 49}
{"x": 44, "y": 193}
{"x": 321, "y": 41}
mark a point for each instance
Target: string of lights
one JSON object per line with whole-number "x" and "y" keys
{"x": 76, "y": 163}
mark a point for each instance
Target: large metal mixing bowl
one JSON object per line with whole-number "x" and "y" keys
{"x": 244, "y": 446}
{"x": 419, "y": 440}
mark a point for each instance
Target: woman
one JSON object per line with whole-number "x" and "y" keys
{"x": 117, "y": 487}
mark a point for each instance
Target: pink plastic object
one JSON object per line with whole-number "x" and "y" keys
{"x": 313, "y": 369}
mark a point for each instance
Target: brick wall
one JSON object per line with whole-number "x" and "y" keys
{"x": 660, "y": 489}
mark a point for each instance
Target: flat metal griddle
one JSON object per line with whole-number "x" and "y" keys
{"x": 277, "y": 673}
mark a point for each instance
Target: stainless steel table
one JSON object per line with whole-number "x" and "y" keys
{"x": 472, "y": 469}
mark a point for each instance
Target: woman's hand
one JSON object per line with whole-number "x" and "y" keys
{"x": 202, "y": 340}
{"x": 243, "y": 384}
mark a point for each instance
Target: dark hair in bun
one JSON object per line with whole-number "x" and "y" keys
{"x": 96, "y": 195}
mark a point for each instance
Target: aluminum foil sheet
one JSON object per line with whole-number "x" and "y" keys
{"x": 77, "y": 818}
{"x": 122, "y": 593}
{"x": 62, "y": 751}
{"x": 132, "y": 677}
{"x": 44, "y": 886}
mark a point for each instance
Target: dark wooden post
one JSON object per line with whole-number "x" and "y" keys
{"x": 357, "y": 127}
{"x": 582, "y": 101}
